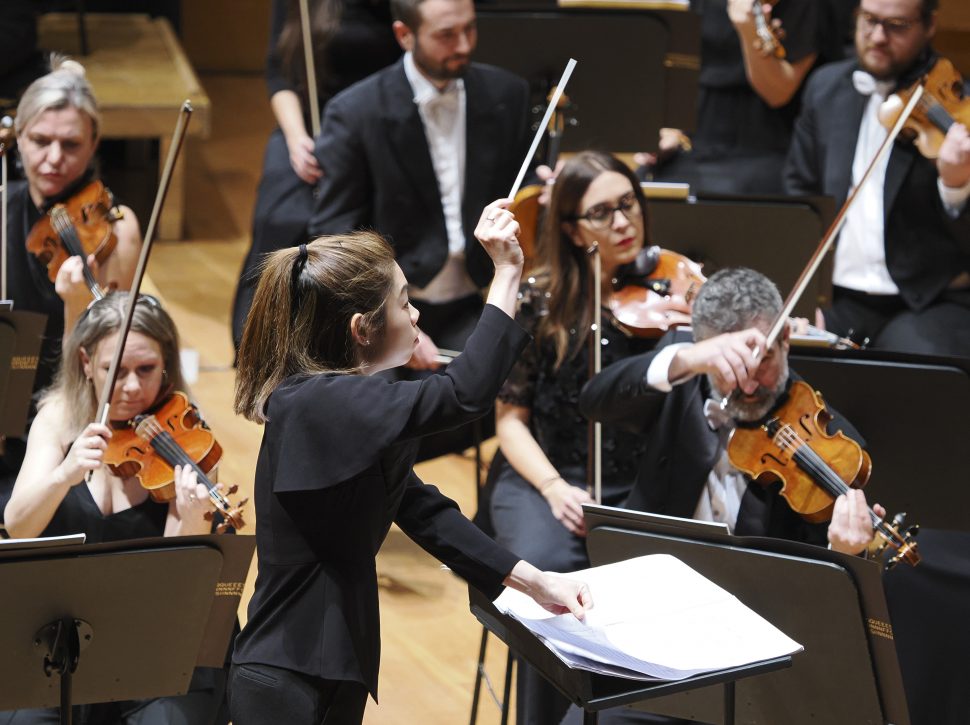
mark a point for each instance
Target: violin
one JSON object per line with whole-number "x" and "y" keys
{"x": 654, "y": 292}
{"x": 150, "y": 446}
{"x": 792, "y": 446}
{"x": 77, "y": 227}
{"x": 942, "y": 104}
{"x": 769, "y": 33}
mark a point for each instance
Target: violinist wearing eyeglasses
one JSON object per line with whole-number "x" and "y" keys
{"x": 902, "y": 262}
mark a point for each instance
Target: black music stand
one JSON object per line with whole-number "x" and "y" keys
{"x": 830, "y": 603}
{"x": 903, "y": 404}
{"x": 118, "y": 621}
{"x": 594, "y": 692}
{"x": 775, "y": 235}
{"x": 911, "y": 409}
{"x": 21, "y": 334}
{"x": 644, "y": 48}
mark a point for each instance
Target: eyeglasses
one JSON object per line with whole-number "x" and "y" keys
{"x": 890, "y": 26}
{"x": 601, "y": 215}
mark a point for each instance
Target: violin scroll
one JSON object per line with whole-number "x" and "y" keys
{"x": 769, "y": 33}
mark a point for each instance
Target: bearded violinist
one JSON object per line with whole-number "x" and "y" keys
{"x": 902, "y": 261}
{"x": 671, "y": 397}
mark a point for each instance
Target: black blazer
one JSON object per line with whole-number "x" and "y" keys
{"x": 334, "y": 470}
{"x": 378, "y": 172}
{"x": 925, "y": 248}
{"x": 682, "y": 449}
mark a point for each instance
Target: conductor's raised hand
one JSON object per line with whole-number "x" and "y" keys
{"x": 731, "y": 359}
{"x": 498, "y": 231}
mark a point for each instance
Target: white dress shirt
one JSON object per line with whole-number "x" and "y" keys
{"x": 443, "y": 117}
{"x": 720, "y": 500}
{"x": 860, "y": 256}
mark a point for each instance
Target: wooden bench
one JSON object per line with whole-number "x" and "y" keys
{"x": 141, "y": 76}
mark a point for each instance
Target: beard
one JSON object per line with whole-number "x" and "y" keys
{"x": 449, "y": 69}
{"x": 747, "y": 409}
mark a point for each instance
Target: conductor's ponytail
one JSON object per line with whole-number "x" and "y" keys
{"x": 299, "y": 322}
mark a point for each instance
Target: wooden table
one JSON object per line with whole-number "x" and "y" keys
{"x": 141, "y": 76}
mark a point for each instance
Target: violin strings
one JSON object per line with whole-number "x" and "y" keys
{"x": 816, "y": 466}
{"x": 172, "y": 452}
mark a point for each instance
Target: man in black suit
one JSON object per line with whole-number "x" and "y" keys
{"x": 672, "y": 396}
{"x": 416, "y": 151}
{"x": 902, "y": 264}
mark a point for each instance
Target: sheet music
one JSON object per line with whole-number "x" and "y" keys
{"x": 653, "y": 617}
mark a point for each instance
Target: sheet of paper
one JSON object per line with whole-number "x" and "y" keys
{"x": 657, "y": 616}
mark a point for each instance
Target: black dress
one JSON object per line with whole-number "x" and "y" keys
{"x": 520, "y": 515}
{"x": 334, "y": 471}
{"x": 362, "y": 44}
{"x": 740, "y": 142}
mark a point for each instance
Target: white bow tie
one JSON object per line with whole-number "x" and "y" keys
{"x": 866, "y": 85}
{"x": 716, "y": 417}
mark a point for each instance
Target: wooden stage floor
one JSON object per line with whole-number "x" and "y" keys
{"x": 430, "y": 640}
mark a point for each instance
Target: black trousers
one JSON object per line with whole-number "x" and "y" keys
{"x": 266, "y": 695}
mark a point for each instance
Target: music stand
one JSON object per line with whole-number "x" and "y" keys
{"x": 21, "y": 334}
{"x": 595, "y": 692}
{"x": 775, "y": 235}
{"x": 830, "y": 603}
{"x": 647, "y": 49}
{"x": 118, "y": 621}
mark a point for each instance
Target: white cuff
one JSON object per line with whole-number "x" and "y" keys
{"x": 658, "y": 372}
{"x": 953, "y": 199}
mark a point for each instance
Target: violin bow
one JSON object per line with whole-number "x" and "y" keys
{"x": 311, "y": 73}
{"x": 104, "y": 401}
{"x": 829, "y": 238}
{"x": 6, "y": 123}
{"x": 596, "y": 340}
{"x": 541, "y": 130}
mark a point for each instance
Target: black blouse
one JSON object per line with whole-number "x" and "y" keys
{"x": 731, "y": 118}
{"x": 552, "y": 395}
{"x": 79, "y": 514}
{"x": 334, "y": 471}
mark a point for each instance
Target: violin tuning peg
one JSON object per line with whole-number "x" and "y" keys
{"x": 207, "y": 516}
{"x": 232, "y": 489}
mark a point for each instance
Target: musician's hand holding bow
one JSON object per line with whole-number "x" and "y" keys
{"x": 850, "y": 530}
{"x": 730, "y": 359}
{"x": 71, "y": 287}
{"x": 953, "y": 163}
{"x": 85, "y": 454}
